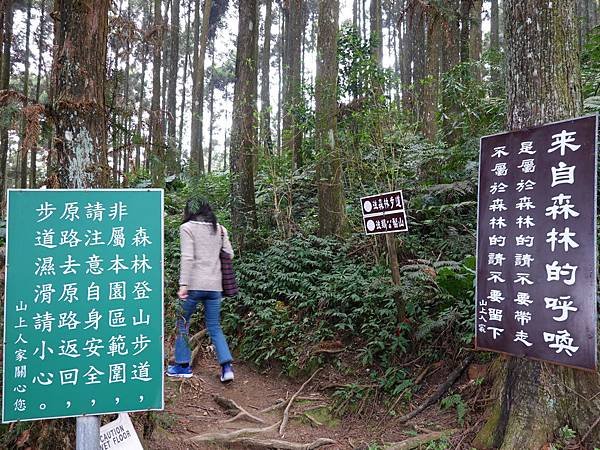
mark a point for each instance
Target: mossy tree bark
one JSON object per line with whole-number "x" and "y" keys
{"x": 78, "y": 74}
{"x": 543, "y": 85}
{"x": 329, "y": 168}
{"x": 292, "y": 95}
{"x": 243, "y": 130}
{"x": 157, "y": 167}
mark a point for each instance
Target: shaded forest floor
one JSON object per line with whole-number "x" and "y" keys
{"x": 202, "y": 405}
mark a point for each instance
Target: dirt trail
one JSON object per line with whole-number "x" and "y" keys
{"x": 191, "y": 410}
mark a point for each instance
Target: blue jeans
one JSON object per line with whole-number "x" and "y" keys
{"x": 212, "y": 318}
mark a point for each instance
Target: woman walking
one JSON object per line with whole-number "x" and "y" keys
{"x": 202, "y": 239}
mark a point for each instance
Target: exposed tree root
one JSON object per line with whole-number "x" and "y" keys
{"x": 439, "y": 392}
{"x": 195, "y": 339}
{"x": 417, "y": 441}
{"x": 230, "y": 436}
{"x": 280, "y": 403}
{"x": 278, "y": 444}
{"x": 286, "y": 412}
{"x": 233, "y": 408}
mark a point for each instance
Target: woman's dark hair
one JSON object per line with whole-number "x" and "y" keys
{"x": 199, "y": 209}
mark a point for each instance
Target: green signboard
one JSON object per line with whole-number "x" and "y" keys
{"x": 83, "y": 328}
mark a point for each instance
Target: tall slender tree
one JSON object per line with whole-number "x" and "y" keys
{"x": 534, "y": 399}
{"x": 494, "y": 37}
{"x": 38, "y": 83}
{"x": 196, "y": 151}
{"x": 432, "y": 69}
{"x": 172, "y": 160}
{"x": 376, "y": 29}
{"x": 465, "y": 29}
{"x": 265, "y": 91}
{"x": 475, "y": 35}
{"x": 292, "y": 96}
{"x": 156, "y": 117}
{"x": 24, "y": 167}
{"x": 186, "y": 60}
{"x": 406, "y": 58}
{"x": 211, "y": 106}
{"x": 329, "y": 168}
{"x": 243, "y": 131}
{"x": 4, "y": 84}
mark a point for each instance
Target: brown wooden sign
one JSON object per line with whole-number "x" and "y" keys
{"x": 536, "y": 243}
{"x": 384, "y": 213}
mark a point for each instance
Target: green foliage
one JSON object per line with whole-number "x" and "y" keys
{"x": 305, "y": 291}
{"x": 468, "y": 110}
{"x": 359, "y": 74}
{"x": 590, "y": 70}
{"x": 564, "y": 439}
{"x": 439, "y": 444}
{"x": 456, "y": 401}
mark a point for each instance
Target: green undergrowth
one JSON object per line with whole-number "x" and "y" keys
{"x": 307, "y": 294}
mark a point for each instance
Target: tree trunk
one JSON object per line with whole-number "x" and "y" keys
{"x": 475, "y": 36}
{"x": 41, "y": 35}
{"x": 24, "y": 167}
{"x": 364, "y": 19}
{"x": 172, "y": 165}
{"x": 78, "y": 73}
{"x": 115, "y": 45}
{"x": 543, "y": 85}
{"x": 184, "y": 86}
{"x": 407, "y": 56}
{"x": 165, "y": 57}
{"x": 156, "y": 118}
{"x": 465, "y": 25}
{"x": 495, "y": 40}
{"x": 451, "y": 35}
{"x": 376, "y": 31}
{"x": 265, "y": 92}
{"x": 211, "y": 108}
{"x": 418, "y": 48}
{"x": 355, "y": 15}
{"x": 243, "y": 131}
{"x": 196, "y": 151}
{"x": 128, "y": 111}
{"x": 430, "y": 90}
{"x": 139, "y": 131}
{"x": 281, "y": 84}
{"x": 329, "y": 168}
{"x": 4, "y": 84}
{"x": 292, "y": 134}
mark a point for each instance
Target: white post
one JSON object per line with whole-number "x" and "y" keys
{"x": 88, "y": 433}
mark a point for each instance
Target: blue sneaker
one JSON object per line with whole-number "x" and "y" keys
{"x": 226, "y": 373}
{"x": 178, "y": 371}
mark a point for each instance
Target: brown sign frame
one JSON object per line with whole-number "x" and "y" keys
{"x": 532, "y": 182}
{"x": 381, "y": 219}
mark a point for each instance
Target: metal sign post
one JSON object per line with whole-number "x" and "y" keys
{"x": 88, "y": 433}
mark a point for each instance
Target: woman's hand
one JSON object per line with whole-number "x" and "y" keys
{"x": 183, "y": 292}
